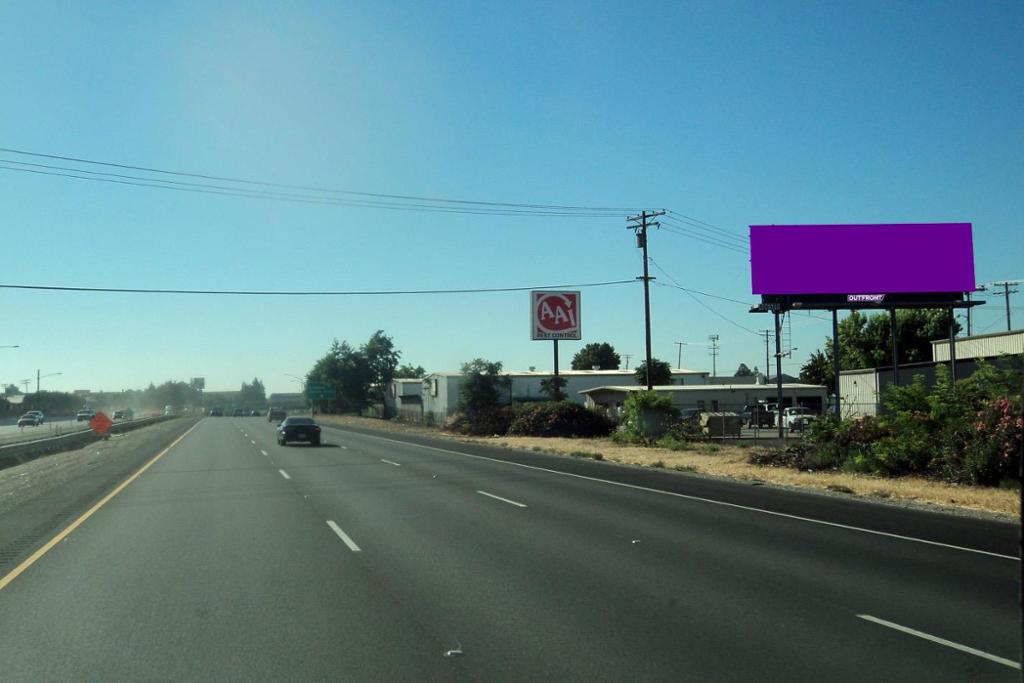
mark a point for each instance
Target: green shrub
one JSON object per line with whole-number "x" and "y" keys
{"x": 672, "y": 443}
{"x": 486, "y": 422}
{"x": 562, "y": 418}
{"x": 646, "y": 415}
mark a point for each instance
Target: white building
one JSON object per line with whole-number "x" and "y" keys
{"x": 860, "y": 391}
{"x": 712, "y": 397}
{"x": 440, "y": 390}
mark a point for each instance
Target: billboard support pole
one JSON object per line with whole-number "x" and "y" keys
{"x": 836, "y": 364}
{"x": 778, "y": 371}
{"x": 555, "y": 342}
{"x": 895, "y": 348}
{"x": 952, "y": 348}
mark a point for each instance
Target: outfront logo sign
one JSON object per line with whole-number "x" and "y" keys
{"x": 865, "y": 298}
{"x": 555, "y": 315}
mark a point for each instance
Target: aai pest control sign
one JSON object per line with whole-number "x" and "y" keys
{"x": 555, "y": 315}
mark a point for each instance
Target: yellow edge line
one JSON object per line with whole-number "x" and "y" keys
{"x": 17, "y": 571}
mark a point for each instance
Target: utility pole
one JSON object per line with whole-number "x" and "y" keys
{"x": 628, "y": 356}
{"x": 713, "y": 338}
{"x": 767, "y": 364}
{"x": 640, "y": 224}
{"x": 1006, "y": 293}
{"x": 679, "y": 357}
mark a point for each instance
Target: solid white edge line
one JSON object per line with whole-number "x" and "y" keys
{"x": 685, "y": 496}
{"x": 941, "y": 641}
{"x": 343, "y": 536}
{"x": 503, "y": 500}
{"x": 390, "y": 463}
{"x": 284, "y": 474}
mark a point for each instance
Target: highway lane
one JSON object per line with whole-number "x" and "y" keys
{"x": 234, "y": 558}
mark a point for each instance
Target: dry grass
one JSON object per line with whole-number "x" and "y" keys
{"x": 731, "y": 462}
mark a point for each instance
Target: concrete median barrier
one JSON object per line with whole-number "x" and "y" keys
{"x": 24, "y": 451}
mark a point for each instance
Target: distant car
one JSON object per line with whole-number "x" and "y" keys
{"x": 758, "y": 415}
{"x": 125, "y": 414}
{"x": 84, "y": 415}
{"x": 254, "y": 413}
{"x": 276, "y": 414}
{"x": 170, "y": 411}
{"x": 40, "y": 418}
{"x": 216, "y": 412}
{"x": 796, "y": 418}
{"x": 303, "y": 429}
{"x": 28, "y": 420}
{"x": 238, "y": 412}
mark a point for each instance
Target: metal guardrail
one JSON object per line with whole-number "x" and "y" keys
{"x": 25, "y": 451}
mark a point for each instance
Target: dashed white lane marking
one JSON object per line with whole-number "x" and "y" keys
{"x": 711, "y": 501}
{"x": 265, "y": 453}
{"x": 390, "y": 462}
{"x": 252, "y": 442}
{"x": 941, "y": 641}
{"x": 503, "y": 500}
{"x": 343, "y": 536}
{"x": 284, "y": 474}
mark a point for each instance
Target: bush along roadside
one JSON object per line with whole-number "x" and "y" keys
{"x": 646, "y": 417}
{"x": 967, "y": 434}
{"x": 547, "y": 418}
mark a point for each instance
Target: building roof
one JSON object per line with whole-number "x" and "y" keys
{"x": 703, "y": 387}
{"x": 575, "y": 373}
{"x": 990, "y": 335}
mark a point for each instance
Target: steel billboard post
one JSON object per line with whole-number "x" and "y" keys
{"x": 895, "y": 348}
{"x": 778, "y": 371}
{"x": 952, "y": 348}
{"x": 836, "y": 365}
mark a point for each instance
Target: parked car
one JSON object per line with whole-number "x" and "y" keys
{"x": 796, "y": 418}
{"x": 254, "y": 413}
{"x": 238, "y": 412}
{"x": 28, "y": 420}
{"x": 125, "y": 414}
{"x": 303, "y": 429}
{"x": 216, "y": 412}
{"x": 84, "y": 415}
{"x": 276, "y": 414}
{"x": 758, "y": 415}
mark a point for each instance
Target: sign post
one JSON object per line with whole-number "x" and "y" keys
{"x": 554, "y": 316}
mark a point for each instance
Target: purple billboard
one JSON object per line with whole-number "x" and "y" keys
{"x": 866, "y": 260}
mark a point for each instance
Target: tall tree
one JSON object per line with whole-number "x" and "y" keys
{"x": 601, "y": 354}
{"x": 818, "y": 370}
{"x": 482, "y": 386}
{"x": 406, "y": 371}
{"x": 381, "y": 360}
{"x": 661, "y": 373}
{"x": 743, "y": 371}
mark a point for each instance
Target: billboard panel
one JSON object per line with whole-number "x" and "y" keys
{"x": 555, "y": 315}
{"x": 875, "y": 259}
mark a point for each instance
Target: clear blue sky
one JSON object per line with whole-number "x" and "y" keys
{"x": 733, "y": 113}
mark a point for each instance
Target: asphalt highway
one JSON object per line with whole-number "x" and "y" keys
{"x": 383, "y": 558}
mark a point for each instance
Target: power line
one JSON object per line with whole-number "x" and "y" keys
{"x": 312, "y": 188}
{"x": 137, "y": 181}
{"x": 688, "y": 293}
{"x": 721, "y": 235}
{"x": 673, "y": 215}
{"x": 231, "y": 292}
{"x": 702, "y": 238}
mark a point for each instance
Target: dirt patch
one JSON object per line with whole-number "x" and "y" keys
{"x": 730, "y": 462}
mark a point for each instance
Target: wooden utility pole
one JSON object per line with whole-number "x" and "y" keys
{"x": 640, "y": 223}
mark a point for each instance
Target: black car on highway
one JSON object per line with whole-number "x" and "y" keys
{"x": 304, "y": 429}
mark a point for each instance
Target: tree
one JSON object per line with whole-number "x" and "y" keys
{"x": 743, "y": 371}
{"x": 661, "y": 373}
{"x": 381, "y": 359}
{"x": 481, "y": 386}
{"x": 407, "y": 371}
{"x": 602, "y": 355}
{"x": 11, "y": 390}
{"x": 818, "y": 370}
{"x": 865, "y": 341}
{"x": 554, "y": 387}
{"x": 253, "y": 395}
